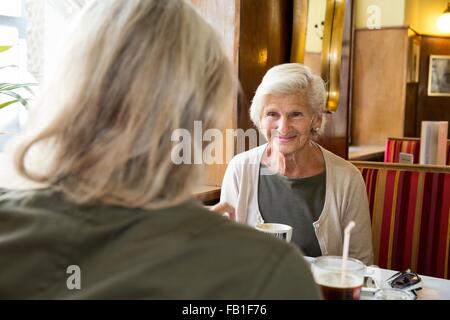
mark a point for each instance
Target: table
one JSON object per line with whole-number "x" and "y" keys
{"x": 366, "y": 152}
{"x": 432, "y": 288}
{"x": 207, "y": 194}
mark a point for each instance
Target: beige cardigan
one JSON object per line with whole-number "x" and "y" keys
{"x": 345, "y": 200}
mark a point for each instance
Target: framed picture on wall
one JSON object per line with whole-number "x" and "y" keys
{"x": 439, "y": 76}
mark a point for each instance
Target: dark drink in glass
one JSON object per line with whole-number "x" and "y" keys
{"x": 335, "y": 289}
{"x": 335, "y": 284}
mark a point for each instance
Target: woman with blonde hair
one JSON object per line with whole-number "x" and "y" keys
{"x": 292, "y": 179}
{"x": 110, "y": 215}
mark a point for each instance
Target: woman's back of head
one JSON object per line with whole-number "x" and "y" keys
{"x": 134, "y": 71}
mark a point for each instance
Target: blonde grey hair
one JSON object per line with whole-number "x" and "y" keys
{"x": 288, "y": 79}
{"x": 134, "y": 71}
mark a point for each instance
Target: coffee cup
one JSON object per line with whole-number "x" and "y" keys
{"x": 278, "y": 230}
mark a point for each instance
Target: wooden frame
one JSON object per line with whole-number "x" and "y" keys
{"x": 300, "y": 21}
{"x": 439, "y": 76}
{"x": 332, "y": 51}
{"x": 413, "y": 60}
{"x": 402, "y": 166}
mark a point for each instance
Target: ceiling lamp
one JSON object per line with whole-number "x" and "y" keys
{"x": 443, "y": 22}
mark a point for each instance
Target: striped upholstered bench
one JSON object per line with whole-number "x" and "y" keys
{"x": 408, "y": 145}
{"x": 410, "y": 209}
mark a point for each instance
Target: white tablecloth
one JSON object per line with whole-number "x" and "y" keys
{"x": 432, "y": 288}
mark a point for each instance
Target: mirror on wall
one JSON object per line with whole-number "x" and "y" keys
{"x": 317, "y": 41}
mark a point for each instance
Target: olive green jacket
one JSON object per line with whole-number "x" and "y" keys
{"x": 53, "y": 249}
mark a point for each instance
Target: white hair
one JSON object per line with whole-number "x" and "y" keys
{"x": 288, "y": 79}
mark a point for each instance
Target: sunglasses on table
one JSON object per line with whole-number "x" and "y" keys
{"x": 406, "y": 280}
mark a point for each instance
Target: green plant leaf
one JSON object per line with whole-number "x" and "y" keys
{"x": 29, "y": 90}
{"x": 5, "y": 104}
{"x": 16, "y": 96}
{"x": 14, "y": 86}
{"x": 4, "y": 48}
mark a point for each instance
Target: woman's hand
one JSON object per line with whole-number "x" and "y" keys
{"x": 224, "y": 208}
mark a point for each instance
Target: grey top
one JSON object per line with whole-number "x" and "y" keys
{"x": 182, "y": 252}
{"x": 296, "y": 202}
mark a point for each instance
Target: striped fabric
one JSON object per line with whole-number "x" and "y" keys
{"x": 409, "y": 145}
{"x": 396, "y": 145}
{"x": 410, "y": 209}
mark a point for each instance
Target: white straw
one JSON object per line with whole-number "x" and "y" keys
{"x": 345, "y": 249}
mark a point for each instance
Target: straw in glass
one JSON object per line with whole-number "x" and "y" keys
{"x": 345, "y": 249}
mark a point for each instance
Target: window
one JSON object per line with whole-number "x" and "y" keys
{"x": 13, "y": 33}
{"x": 32, "y": 30}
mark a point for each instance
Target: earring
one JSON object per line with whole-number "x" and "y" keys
{"x": 317, "y": 129}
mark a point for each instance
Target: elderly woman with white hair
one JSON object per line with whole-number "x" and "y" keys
{"x": 292, "y": 179}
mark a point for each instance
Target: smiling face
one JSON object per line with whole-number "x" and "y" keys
{"x": 288, "y": 121}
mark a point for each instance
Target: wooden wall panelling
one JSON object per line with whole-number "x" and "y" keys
{"x": 265, "y": 41}
{"x": 379, "y": 85}
{"x": 412, "y": 86}
{"x": 431, "y": 108}
{"x": 314, "y": 61}
{"x": 299, "y": 29}
{"x": 410, "y": 110}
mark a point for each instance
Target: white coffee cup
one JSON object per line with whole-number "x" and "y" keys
{"x": 279, "y": 230}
